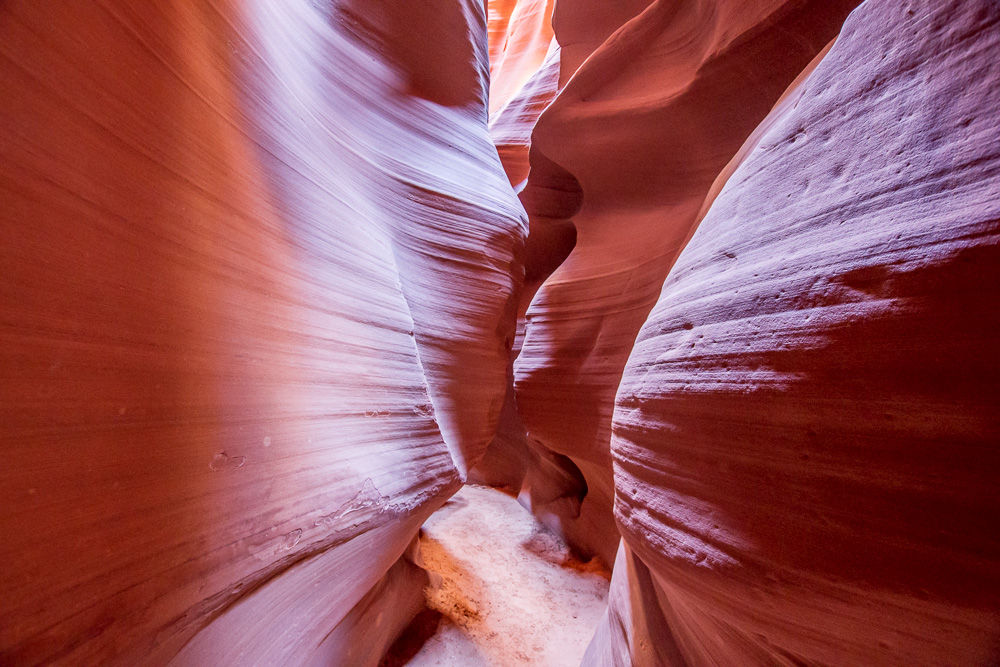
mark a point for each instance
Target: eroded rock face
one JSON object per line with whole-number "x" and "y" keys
{"x": 520, "y": 38}
{"x": 257, "y": 309}
{"x": 806, "y": 434}
{"x": 624, "y": 157}
{"x": 512, "y": 59}
{"x": 262, "y": 265}
{"x": 511, "y": 125}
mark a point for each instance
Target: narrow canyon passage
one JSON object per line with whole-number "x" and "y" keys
{"x": 709, "y": 288}
{"x": 510, "y": 592}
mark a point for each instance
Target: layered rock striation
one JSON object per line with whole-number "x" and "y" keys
{"x": 260, "y": 264}
{"x": 269, "y": 298}
{"x": 624, "y": 157}
{"x": 520, "y": 38}
{"x": 806, "y": 433}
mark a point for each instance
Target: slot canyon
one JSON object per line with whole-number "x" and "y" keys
{"x": 360, "y": 333}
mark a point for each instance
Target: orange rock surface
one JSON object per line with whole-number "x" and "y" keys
{"x": 710, "y": 285}
{"x": 511, "y": 125}
{"x": 625, "y": 155}
{"x": 520, "y": 36}
{"x": 807, "y": 433}
{"x": 256, "y": 311}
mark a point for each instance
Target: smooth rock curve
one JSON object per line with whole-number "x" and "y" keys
{"x": 257, "y": 300}
{"x": 806, "y": 434}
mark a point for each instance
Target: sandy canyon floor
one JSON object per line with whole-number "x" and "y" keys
{"x": 510, "y": 594}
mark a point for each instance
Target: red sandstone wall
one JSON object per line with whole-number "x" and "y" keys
{"x": 625, "y": 156}
{"x": 806, "y": 433}
{"x": 260, "y": 272}
{"x": 246, "y": 278}
{"x": 520, "y": 34}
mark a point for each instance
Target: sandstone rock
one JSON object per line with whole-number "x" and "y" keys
{"x": 625, "y": 156}
{"x": 253, "y": 255}
{"x": 520, "y": 40}
{"x": 512, "y": 123}
{"x": 505, "y": 462}
{"x": 581, "y": 26}
{"x": 806, "y": 434}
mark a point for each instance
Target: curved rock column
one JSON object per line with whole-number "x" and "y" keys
{"x": 806, "y": 434}
{"x": 519, "y": 49}
{"x": 257, "y": 299}
{"x": 624, "y": 158}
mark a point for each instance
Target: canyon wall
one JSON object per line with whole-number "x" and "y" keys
{"x": 624, "y": 158}
{"x": 511, "y": 125}
{"x": 806, "y": 438}
{"x": 260, "y": 264}
{"x": 520, "y": 35}
{"x": 520, "y": 90}
{"x": 801, "y": 448}
{"x": 268, "y": 298}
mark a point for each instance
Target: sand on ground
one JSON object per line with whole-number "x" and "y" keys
{"x": 510, "y": 592}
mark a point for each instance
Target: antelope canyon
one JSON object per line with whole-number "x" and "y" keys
{"x": 652, "y": 333}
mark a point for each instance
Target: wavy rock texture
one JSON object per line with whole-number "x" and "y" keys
{"x": 506, "y": 460}
{"x": 625, "y": 156}
{"x": 511, "y": 125}
{"x": 520, "y": 38}
{"x": 498, "y": 13}
{"x": 806, "y": 434}
{"x": 256, "y": 312}
{"x": 582, "y": 26}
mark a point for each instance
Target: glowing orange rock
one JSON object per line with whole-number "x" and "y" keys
{"x": 806, "y": 434}
{"x": 511, "y": 125}
{"x": 520, "y": 39}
